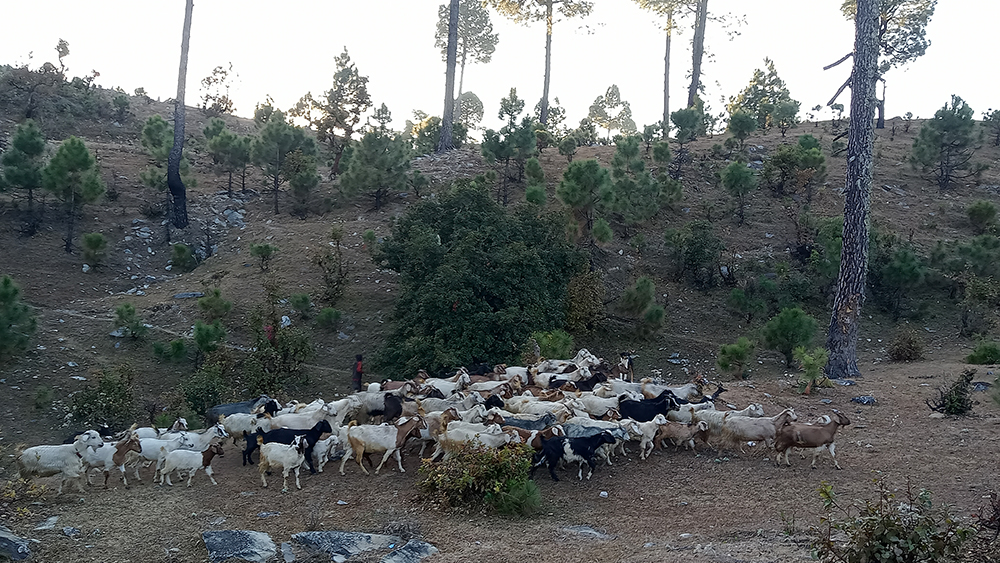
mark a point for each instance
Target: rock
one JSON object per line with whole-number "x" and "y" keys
{"x": 71, "y": 531}
{"x": 13, "y": 547}
{"x": 344, "y": 545}
{"x": 937, "y": 415}
{"x": 118, "y": 332}
{"x": 72, "y": 364}
{"x": 826, "y": 401}
{"x": 167, "y": 268}
{"x": 48, "y": 524}
{"x": 86, "y": 268}
{"x": 648, "y": 544}
{"x": 587, "y": 532}
{"x": 188, "y": 294}
{"x": 244, "y": 545}
{"x": 342, "y": 336}
{"x": 864, "y": 400}
{"x": 286, "y": 552}
{"x": 685, "y": 536}
{"x": 80, "y": 377}
{"x": 340, "y": 502}
{"x": 846, "y": 382}
{"x": 267, "y": 514}
{"x": 980, "y": 385}
{"x": 285, "y": 321}
{"x": 412, "y": 552}
{"x": 604, "y": 494}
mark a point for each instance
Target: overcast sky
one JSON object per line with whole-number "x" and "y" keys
{"x": 285, "y": 49}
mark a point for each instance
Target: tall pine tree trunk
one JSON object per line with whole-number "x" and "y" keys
{"x": 880, "y": 121}
{"x": 461, "y": 79}
{"x": 174, "y": 183}
{"x": 445, "y": 143}
{"x": 698, "y": 50}
{"x": 71, "y": 219}
{"x": 842, "y": 339}
{"x": 666, "y": 77}
{"x": 543, "y": 110}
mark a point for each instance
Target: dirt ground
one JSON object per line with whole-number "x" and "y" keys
{"x": 676, "y": 506}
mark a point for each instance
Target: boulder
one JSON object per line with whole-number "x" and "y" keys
{"x": 412, "y": 552}
{"x": 13, "y": 547}
{"x": 343, "y": 545}
{"x": 244, "y": 545}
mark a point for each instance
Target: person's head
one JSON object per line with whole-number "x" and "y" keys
{"x": 358, "y": 357}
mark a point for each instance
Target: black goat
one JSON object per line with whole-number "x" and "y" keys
{"x": 494, "y": 401}
{"x": 287, "y": 436}
{"x": 581, "y": 450}
{"x": 270, "y": 407}
{"x": 530, "y": 422}
{"x": 647, "y": 409}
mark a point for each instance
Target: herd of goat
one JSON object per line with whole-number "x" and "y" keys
{"x": 580, "y": 411}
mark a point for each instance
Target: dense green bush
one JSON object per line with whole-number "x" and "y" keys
{"x": 734, "y": 358}
{"x": 109, "y": 401}
{"x": 787, "y": 330}
{"x": 888, "y": 529}
{"x": 328, "y": 318}
{"x": 127, "y": 319}
{"x": 475, "y": 476}
{"x": 554, "y": 344}
{"x": 183, "y": 258}
{"x": 264, "y": 252}
{"x": 694, "y": 251}
{"x": 985, "y": 353}
{"x": 205, "y": 388}
{"x": 982, "y": 216}
{"x": 302, "y": 303}
{"x": 94, "y": 247}
{"x": 584, "y": 302}
{"x": 17, "y": 320}
{"x": 208, "y": 337}
{"x": 175, "y": 351}
{"x": 213, "y": 306}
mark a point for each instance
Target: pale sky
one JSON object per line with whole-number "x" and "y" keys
{"x": 285, "y": 49}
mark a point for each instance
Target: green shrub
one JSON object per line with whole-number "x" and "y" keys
{"x": 302, "y": 303}
{"x": 182, "y": 257}
{"x": 43, "y": 397}
{"x": 475, "y": 475}
{"x": 957, "y": 399}
{"x": 334, "y": 267}
{"x": 567, "y": 147}
{"x": 787, "y": 330}
{"x": 207, "y": 337}
{"x": 637, "y": 298}
{"x": 652, "y": 319}
{"x": 175, "y": 351}
{"x": 17, "y": 321}
{"x": 584, "y": 302}
{"x": 128, "y": 320}
{"x": 109, "y": 401}
{"x": 812, "y": 366}
{"x": 733, "y": 358}
{"x": 368, "y": 237}
{"x": 888, "y": 529}
{"x": 554, "y": 344}
{"x": 94, "y": 248}
{"x": 328, "y": 318}
{"x": 213, "y": 306}
{"x": 205, "y": 388}
{"x": 984, "y": 353}
{"x": 906, "y": 347}
{"x": 264, "y": 252}
{"x": 982, "y": 216}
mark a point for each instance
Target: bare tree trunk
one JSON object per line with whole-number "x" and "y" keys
{"x": 461, "y": 79}
{"x": 174, "y": 183}
{"x": 842, "y": 339}
{"x": 698, "y": 50}
{"x": 445, "y": 143}
{"x": 71, "y": 219}
{"x": 880, "y": 121}
{"x": 666, "y": 77}
{"x": 543, "y": 113}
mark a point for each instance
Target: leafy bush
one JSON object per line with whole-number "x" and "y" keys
{"x": 334, "y": 268}
{"x": 213, "y": 306}
{"x": 43, "y": 397}
{"x": 17, "y": 321}
{"x": 175, "y": 351}
{"x": 584, "y": 302}
{"x": 127, "y": 319}
{"x": 888, "y": 529}
{"x": 205, "y": 388}
{"x": 554, "y": 344}
{"x": 733, "y": 358}
{"x": 984, "y": 353}
{"x": 183, "y": 258}
{"x": 695, "y": 252}
{"x": 263, "y": 252}
{"x": 94, "y": 248}
{"x": 302, "y": 303}
{"x": 567, "y": 147}
{"x": 906, "y": 347}
{"x": 207, "y": 337}
{"x": 982, "y": 216}
{"x": 812, "y": 366}
{"x": 794, "y": 168}
{"x": 957, "y": 399}
{"x": 109, "y": 402}
{"x": 787, "y": 330}
{"x": 476, "y": 475}
{"x": 328, "y": 318}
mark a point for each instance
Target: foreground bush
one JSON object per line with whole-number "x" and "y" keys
{"x": 957, "y": 399}
{"x": 888, "y": 529}
{"x": 476, "y": 475}
{"x": 984, "y": 353}
{"x": 110, "y": 402}
{"x": 906, "y": 347}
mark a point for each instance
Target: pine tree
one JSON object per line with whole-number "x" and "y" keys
{"x": 278, "y": 139}
{"x": 584, "y": 187}
{"x": 175, "y": 181}
{"x": 611, "y": 112}
{"x": 157, "y": 139}
{"x": 445, "y": 142}
{"x": 476, "y": 42}
{"x": 946, "y": 144}
{"x": 739, "y": 181}
{"x": 741, "y": 125}
{"x": 760, "y": 97}
{"x": 22, "y": 163}
{"x": 377, "y": 167}
{"x": 230, "y": 152}
{"x": 72, "y": 178}
{"x": 635, "y": 195}
{"x": 17, "y": 321}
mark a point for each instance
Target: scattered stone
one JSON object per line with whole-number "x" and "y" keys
{"x": 48, "y": 524}
{"x": 648, "y": 544}
{"x": 937, "y": 415}
{"x": 864, "y": 400}
{"x": 72, "y": 364}
{"x": 188, "y": 294}
{"x": 341, "y": 335}
{"x": 846, "y": 382}
{"x": 685, "y": 536}
{"x": 217, "y": 521}
{"x": 244, "y": 545}
{"x": 587, "y": 532}
{"x": 340, "y": 502}
{"x": 118, "y": 332}
{"x": 412, "y": 552}
{"x": 13, "y": 547}
{"x": 285, "y": 321}
{"x": 826, "y": 401}
{"x": 267, "y": 514}
{"x": 980, "y": 385}
{"x": 286, "y": 552}
{"x": 71, "y": 531}
{"x": 604, "y": 494}
{"x": 86, "y": 268}
{"x": 343, "y": 545}
{"x": 79, "y": 377}
{"x": 168, "y": 267}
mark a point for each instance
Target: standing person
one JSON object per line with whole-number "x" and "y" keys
{"x": 356, "y": 373}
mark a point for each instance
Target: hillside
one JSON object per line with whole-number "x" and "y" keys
{"x": 75, "y": 312}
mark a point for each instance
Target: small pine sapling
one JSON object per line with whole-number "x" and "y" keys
{"x": 264, "y": 252}
{"x": 734, "y": 358}
{"x": 790, "y": 328}
{"x": 812, "y": 367}
{"x": 957, "y": 399}
{"x": 213, "y": 306}
{"x": 17, "y": 320}
{"x": 982, "y": 216}
{"x": 567, "y": 147}
{"x": 127, "y": 319}
{"x": 328, "y": 318}
{"x": 302, "y": 303}
{"x": 183, "y": 258}
{"x": 95, "y": 246}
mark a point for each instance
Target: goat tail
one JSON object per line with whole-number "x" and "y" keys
{"x": 352, "y": 423}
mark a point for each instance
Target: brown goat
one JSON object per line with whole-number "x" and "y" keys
{"x": 814, "y": 436}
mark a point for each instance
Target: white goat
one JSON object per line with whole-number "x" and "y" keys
{"x": 301, "y": 420}
{"x": 65, "y": 460}
{"x": 743, "y": 429}
{"x": 187, "y": 460}
{"x": 238, "y": 423}
{"x": 647, "y": 435}
{"x": 152, "y": 447}
{"x": 287, "y": 457}
{"x": 108, "y": 457}
{"x": 385, "y": 439}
